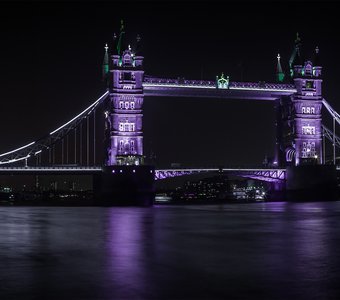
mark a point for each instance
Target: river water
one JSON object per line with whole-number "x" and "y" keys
{"x": 272, "y": 250}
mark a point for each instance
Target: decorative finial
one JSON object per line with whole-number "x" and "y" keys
{"x": 297, "y": 37}
{"x": 278, "y": 56}
{"x": 138, "y": 38}
{"x": 317, "y": 50}
{"x": 129, "y": 47}
{"x": 114, "y": 36}
{"x": 106, "y": 47}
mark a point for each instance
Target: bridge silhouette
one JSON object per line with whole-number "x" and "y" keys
{"x": 300, "y": 139}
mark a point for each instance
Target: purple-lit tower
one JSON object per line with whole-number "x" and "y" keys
{"x": 125, "y": 113}
{"x": 306, "y": 113}
{"x": 125, "y": 179}
{"x": 307, "y": 175}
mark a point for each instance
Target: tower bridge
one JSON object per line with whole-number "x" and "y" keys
{"x": 300, "y": 135}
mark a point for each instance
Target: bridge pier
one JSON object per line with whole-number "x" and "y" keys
{"x": 125, "y": 185}
{"x": 311, "y": 183}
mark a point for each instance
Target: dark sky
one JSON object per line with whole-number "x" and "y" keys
{"x": 51, "y": 55}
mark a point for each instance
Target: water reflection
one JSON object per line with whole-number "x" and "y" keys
{"x": 256, "y": 250}
{"x": 127, "y": 255}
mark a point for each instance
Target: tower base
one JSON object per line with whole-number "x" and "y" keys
{"x": 125, "y": 185}
{"x": 311, "y": 183}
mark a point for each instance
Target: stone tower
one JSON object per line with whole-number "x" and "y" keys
{"x": 306, "y": 112}
{"x": 124, "y": 117}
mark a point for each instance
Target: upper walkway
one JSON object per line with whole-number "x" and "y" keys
{"x": 154, "y": 86}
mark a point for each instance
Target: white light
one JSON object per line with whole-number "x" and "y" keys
{"x": 214, "y": 87}
{"x": 14, "y": 160}
{"x": 84, "y": 111}
{"x": 30, "y": 144}
{"x": 37, "y": 152}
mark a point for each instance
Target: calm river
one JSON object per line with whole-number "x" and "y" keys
{"x": 232, "y": 251}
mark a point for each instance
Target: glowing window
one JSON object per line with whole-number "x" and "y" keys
{"x": 308, "y": 150}
{"x": 308, "y": 130}
{"x": 126, "y": 126}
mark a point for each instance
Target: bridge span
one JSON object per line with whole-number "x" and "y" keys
{"x": 269, "y": 175}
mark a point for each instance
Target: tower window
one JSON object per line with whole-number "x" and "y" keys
{"x": 127, "y": 76}
{"x": 121, "y": 145}
{"x": 127, "y": 126}
{"x": 308, "y": 130}
{"x": 309, "y": 84}
{"x": 308, "y": 150}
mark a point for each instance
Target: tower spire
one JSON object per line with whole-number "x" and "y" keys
{"x": 316, "y": 60}
{"x": 295, "y": 58}
{"x": 105, "y": 66}
{"x": 119, "y": 44}
{"x": 279, "y": 73}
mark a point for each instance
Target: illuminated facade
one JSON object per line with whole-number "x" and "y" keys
{"x": 124, "y": 117}
{"x": 307, "y": 104}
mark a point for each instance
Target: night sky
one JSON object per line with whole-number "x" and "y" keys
{"x": 51, "y": 55}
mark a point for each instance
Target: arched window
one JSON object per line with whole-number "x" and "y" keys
{"x": 121, "y": 145}
{"x": 127, "y": 59}
{"x": 127, "y": 147}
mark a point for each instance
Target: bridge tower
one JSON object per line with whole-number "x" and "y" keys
{"x": 306, "y": 113}
{"x": 124, "y": 117}
{"x": 308, "y": 178}
{"x": 125, "y": 179}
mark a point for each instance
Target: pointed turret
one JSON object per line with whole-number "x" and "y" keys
{"x": 317, "y": 68}
{"x": 316, "y": 58}
{"x": 296, "y": 59}
{"x": 279, "y": 73}
{"x": 105, "y": 66}
{"x": 120, "y": 39}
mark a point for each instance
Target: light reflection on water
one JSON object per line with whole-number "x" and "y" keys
{"x": 272, "y": 250}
